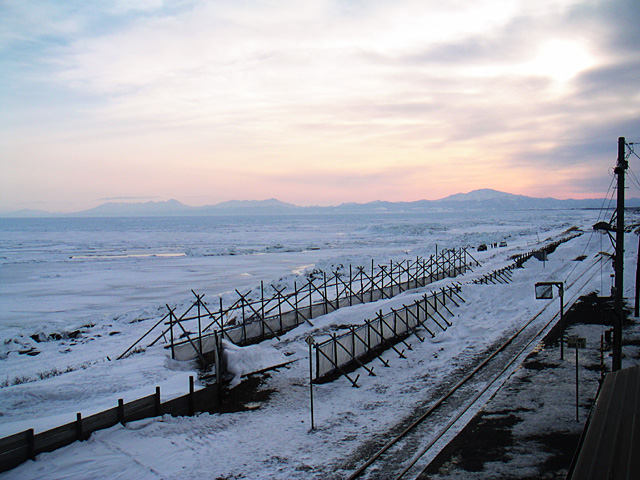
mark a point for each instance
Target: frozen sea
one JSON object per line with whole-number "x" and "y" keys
{"x": 63, "y": 273}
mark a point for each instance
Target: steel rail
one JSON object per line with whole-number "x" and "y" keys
{"x": 496, "y": 378}
{"x": 464, "y": 380}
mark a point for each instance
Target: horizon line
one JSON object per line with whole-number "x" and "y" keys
{"x": 37, "y": 211}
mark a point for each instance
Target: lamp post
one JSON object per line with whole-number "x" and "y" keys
{"x": 310, "y": 341}
{"x": 544, "y": 291}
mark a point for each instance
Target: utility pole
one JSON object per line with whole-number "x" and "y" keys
{"x": 619, "y": 268}
{"x": 636, "y": 310}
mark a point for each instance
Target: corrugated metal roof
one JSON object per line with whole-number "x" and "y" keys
{"x": 611, "y": 446}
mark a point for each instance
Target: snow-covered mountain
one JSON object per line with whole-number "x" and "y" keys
{"x": 270, "y": 206}
{"x": 175, "y": 208}
{"x": 481, "y": 195}
{"x": 483, "y": 199}
{"x": 496, "y": 200}
{"x": 126, "y": 209}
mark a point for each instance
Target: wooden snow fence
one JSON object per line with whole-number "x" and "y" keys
{"x": 254, "y": 317}
{"x": 20, "y": 447}
{"x": 503, "y": 275}
{"x": 547, "y": 249}
{"x": 339, "y": 354}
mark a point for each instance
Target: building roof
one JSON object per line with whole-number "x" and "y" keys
{"x": 611, "y": 442}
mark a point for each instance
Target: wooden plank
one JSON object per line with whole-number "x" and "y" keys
{"x": 139, "y": 403}
{"x": 12, "y": 458}
{"x": 141, "y": 408}
{"x": 16, "y": 449}
{"x": 206, "y": 399}
{"x": 12, "y": 441}
{"x": 176, "y": 407}
{"x": 55, "y": 438}
{"x": 98, "y": 421}
{"x": 612, "y": 439}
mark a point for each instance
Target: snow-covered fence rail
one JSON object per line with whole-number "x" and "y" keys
{"x": 542, "y": 252}
{"x": 352, "y": 349}
{"x": 250, "y": 320}
{"x": 503, "y": 275}
{"x": 20, "y": 447}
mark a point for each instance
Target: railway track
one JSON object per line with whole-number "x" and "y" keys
{"x": 408, "y": 453}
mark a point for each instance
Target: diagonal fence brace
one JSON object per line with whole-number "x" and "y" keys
{"x": 353, "y": 357}
{"x": 386, "y": 342}
{"x": 258, "y": 315}
{"x": 395, "y": 333}
{"x": 384, "y": 362}
{"x": 409, "y": 327}
{"x": 426, "y": 315}
{"x": 353, "y": 382}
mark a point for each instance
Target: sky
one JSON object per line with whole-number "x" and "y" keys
{"x": 312, "y": 102}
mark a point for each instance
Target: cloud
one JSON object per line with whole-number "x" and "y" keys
{"x": 224, "y": 66}
{"x": 505, "y": 91}
{"x": 616, "y": 19}
{"x": 618, "y": 79}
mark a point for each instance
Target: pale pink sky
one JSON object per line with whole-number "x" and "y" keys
{"x": 312, "y": 102}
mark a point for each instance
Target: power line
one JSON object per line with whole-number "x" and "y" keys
{"x": 592, "y": 230}
{"x": 602, "y": 207}
{"x": 631, "y": 150}
{"x": 634, "y": 179}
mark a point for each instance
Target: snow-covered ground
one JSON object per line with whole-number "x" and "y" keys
{"x": 61, "y": 279}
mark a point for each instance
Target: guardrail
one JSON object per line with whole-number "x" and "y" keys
{"x": 20, "y": 447}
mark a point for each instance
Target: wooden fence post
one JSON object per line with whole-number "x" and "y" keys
{"x": 371, "y": 294}
{"x": 353, "y": 340}
{"x": 324, "y": 279}
{"x": 244, "y": 326}
{"x": 79, "y": 426}
{"x": 157, "y": 402}
{"x": 173, "y": 354}
{"x": 192, "y": 409}
{"x": 350, "y": 286}
{"x": 431, "y": 268}
{"x": 199, "y": 324}
{"x": 279, "y": 308}
{"x": 31, "y": 448}
{"x": 310, "y": 300}
{"x": 121, "y": 411}
{"x": 217, "y": 352}
{"x": 262, "y": 307}
{"x": 295, "y": 299}
{"x": 221, "y": 319}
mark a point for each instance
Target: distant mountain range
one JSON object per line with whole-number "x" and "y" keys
{"x": 484, "y": 199}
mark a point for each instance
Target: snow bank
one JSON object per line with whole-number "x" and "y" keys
{"x": 244, "y": 360}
